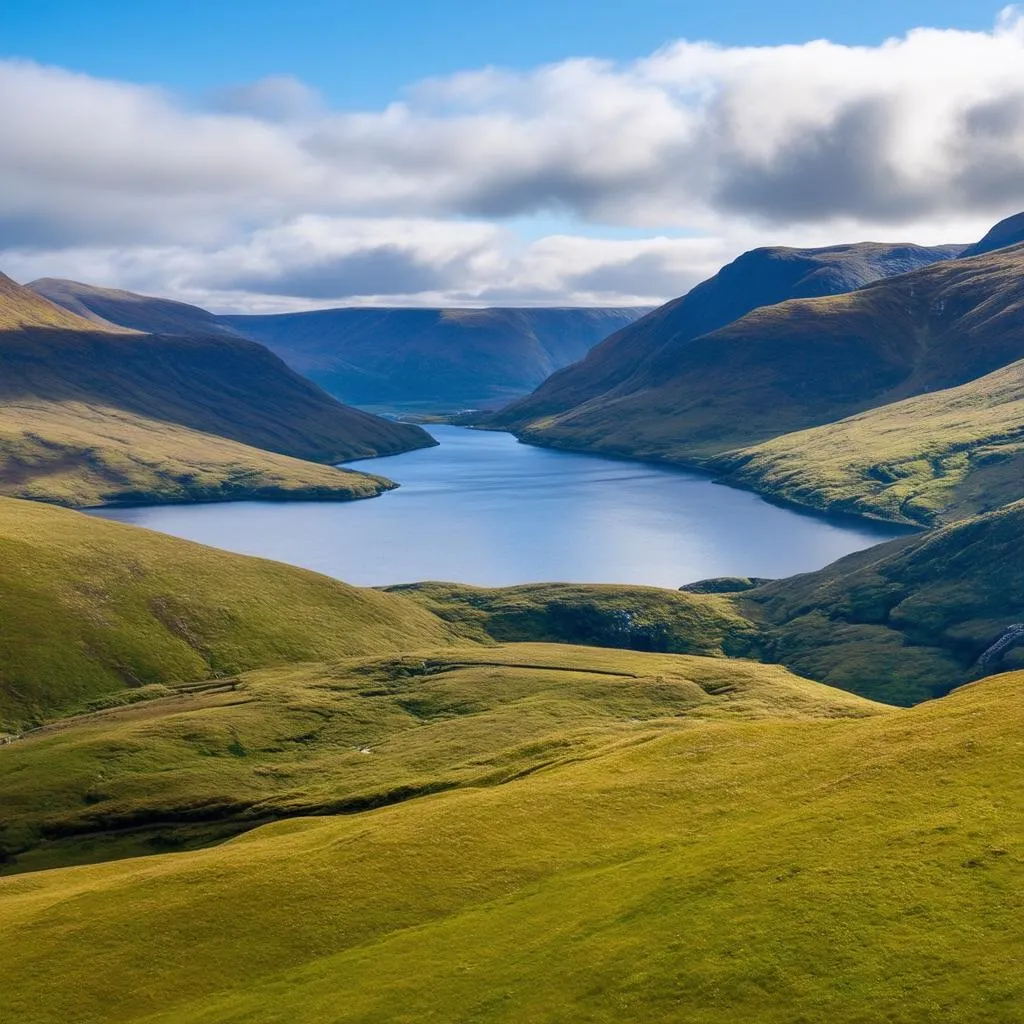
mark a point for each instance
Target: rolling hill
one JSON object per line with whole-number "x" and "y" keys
{"x": 94, "y": 609}
{"x": 757, "y": 278}
{"x": 92, "y": 414}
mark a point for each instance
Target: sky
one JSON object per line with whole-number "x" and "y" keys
{"x": 264, "y": 156}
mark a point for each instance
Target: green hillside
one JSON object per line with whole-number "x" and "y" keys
{"x": 710, "y": 871}
{"x": 93, "y": 608}
{"x": 904, "y": 621}
{"x": 935, "y": 457}
{"x": 757, "y": 278}
{"x": 807, "y": 362}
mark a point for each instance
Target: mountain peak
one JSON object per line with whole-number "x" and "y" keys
{"x": 1007, "y": 232}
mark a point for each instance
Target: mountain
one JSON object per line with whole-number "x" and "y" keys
{"x": 933, "y": 458}
{"x": 92, "y": 414}
{"x": 432, "y": 357}
{"x": 1007, "y": 232}
{"x": 807, "y": 362}
{"x": 111, "y": 307}
{"x": 757, "y": 278}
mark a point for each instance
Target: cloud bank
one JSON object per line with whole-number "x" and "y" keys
{"x": 259, "y": 196}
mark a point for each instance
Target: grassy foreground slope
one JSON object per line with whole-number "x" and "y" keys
{"x": 186, "y": 768}
{"x": 772, "y": 871}
{"x": 807, "y": 362}
{"x": 904, "y": 621}
{"x": 944, "y": 455}
{"x": 757, "y": 278}
{"x": 92, "y": 608}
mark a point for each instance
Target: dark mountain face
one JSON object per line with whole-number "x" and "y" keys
{"x": 460, "y": 357}
{"x": 760, "y": 277}
{"x": 1007, "y": 232}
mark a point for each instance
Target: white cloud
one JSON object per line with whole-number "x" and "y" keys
{"x": 263, "y": 195}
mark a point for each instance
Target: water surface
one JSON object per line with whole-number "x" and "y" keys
{"x": 483, "y": 508}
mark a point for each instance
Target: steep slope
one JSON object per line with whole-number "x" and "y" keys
{"x": 90, "y": 414}
{"x": 907, "y": 620}
{"x": 432, "y": 357}
{"x": 712, "y": 872}
{"x": 92, "y": 608}
{"x": 1007, "y": 232}
{"x": 806, "y": 362}
{"x": 109, "y": 307}
{"x": 933, "y": 458}
{"x": 757, "y": 278}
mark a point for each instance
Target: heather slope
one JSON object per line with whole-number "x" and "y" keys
{"x": 709, "y": 871}
{"x": 760, "y": 277}
{"x": 93, "y": 608}
{"x": 806, "y": 362}
{"x": 432, "y": 358}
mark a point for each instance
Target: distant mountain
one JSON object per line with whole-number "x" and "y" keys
{"x": 92, "y": 414}
{"x": 432, "y": 357}
{"x": 760, "y": 277}
{"x": 1007, "y": 232}
{"x": 393, "y": 358}
{"x": 110, "y": 307}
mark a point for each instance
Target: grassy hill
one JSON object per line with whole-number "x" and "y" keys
{"x": 94, "y": 608}
{"x": 757, "y": 278}
{"x": 936, "y": 457}
{"x": 805, "y": 868}
{"x": 904, "y": 621}
{"x": 92, "y": 414}
{"x": 806, "y": 362}
{"x": 432, "y": 358}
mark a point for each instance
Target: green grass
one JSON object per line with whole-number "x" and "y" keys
{"x": 636, "y": 618}
{"x": 839, "y": 870}
{"x": 184, "y": 768}
{"x": 928, "y": 459}
{"x": 92, "y": 607}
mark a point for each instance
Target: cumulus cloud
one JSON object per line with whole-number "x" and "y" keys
{"x": 752, "y": 144}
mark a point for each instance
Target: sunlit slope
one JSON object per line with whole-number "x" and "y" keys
{"x": 84, "y": 454}
{"x": 770, "y": 871}
{"x": 188, "y": 768}
{"x": 93, "y": 607}
{"x": 906, "y": 620}
{"x": 760, "y": 277}
{"x": 807, "y": 362}
{"x": 936, "y": 457}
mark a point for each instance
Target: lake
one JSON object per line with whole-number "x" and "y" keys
{"x": 482, "y": 508}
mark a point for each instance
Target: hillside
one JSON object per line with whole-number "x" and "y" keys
{"x": 939, "y": 456}
{"x": 92, "y": 414}
{"x": 806, "y": 362}
{"x": 757, "y": 278}
{"x": 94, "y": 608}
{"x": 112, "y": 307}
{"x": 907, "y": 620}
{"x": 712, "y": 871}
{"x": 432, "y": 358}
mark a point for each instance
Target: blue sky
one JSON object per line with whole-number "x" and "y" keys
{"x": 267, "y": 156}
{"x": 363, "y": 54}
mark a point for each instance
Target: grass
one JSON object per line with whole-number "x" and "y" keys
{"x": 184, "y": 768}
{"x": 845, "y": 869}
{"x": 636, "y": 618}
{"x": 925, "y": 460}
{"x": 93, "y": 607}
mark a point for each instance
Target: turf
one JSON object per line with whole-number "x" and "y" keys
{"x": 778, "y": 871}
{"x": 92, "y": 607}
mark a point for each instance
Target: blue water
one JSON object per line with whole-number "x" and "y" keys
{"x": 482, "y": 508}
